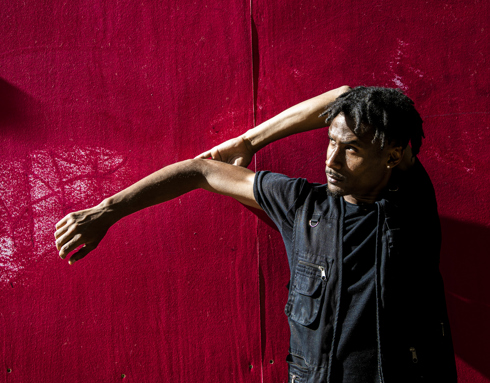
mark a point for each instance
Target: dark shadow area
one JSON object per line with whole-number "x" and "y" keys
{"x": 262, "y": 216}
{"x": 17, "y": 109}
{"x": 465, "y": 264}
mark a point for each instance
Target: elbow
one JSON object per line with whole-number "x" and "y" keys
{"x": 198, "y": 170}
{"x": 196, "y": 166}
{"x": 343, "y": 89}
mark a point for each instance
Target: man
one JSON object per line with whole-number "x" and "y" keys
{"x": 366, "y": 300}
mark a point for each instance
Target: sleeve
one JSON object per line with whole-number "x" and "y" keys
{"x": 280, "y": 196}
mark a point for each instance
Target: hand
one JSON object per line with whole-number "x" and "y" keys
{"x": 85, "y": 227}
{"x": 235, "y": 152}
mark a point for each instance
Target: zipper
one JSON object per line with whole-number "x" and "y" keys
{"x": 293, "y": 378}
{"x": 414, "y": 355}
{"x": 442, "y": 327}
{"x": 321, "y": 268}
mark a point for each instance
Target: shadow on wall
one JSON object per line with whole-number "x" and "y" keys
{"x": 465, "y": 264}
{"x": 18, "y": 110}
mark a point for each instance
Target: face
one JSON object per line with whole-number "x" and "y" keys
{"x": 356, "y": 167}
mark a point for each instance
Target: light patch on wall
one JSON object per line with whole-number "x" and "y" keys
{"x": 6, "y": 252}
{"x": 38, "y": 190}
{"x": 399, "y": 64}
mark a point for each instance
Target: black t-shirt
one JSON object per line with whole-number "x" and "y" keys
{"x": 356, "y": 350}
{"x": 280, "y": 197}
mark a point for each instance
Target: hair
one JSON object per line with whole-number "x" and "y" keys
{"x": 389, "y": 112}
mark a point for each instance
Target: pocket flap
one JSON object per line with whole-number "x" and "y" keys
{"x": 307, "y": 279}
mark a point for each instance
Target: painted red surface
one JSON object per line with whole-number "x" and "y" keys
{"x": 95, "y": 95}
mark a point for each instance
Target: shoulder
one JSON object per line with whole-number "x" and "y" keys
{"x": 280, "y": 196}
{"x": 414, "y": 202}
{"x": 278, "y": 185}
{"x": 411, "y": 184}
{"x": 417, "y": 182}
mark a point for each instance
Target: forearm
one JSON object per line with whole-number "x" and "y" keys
{"x": 88, "y": 227}
{"x": 299, "y": 118}
{"x": 163, "y": 185}
{"x": 182, "y": 177}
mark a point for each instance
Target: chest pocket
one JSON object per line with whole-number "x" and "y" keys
{"x": 306, "y": 294}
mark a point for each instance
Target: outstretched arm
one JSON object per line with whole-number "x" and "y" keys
{"x": 88, "y": 227}
{"x": 299, "y": 118}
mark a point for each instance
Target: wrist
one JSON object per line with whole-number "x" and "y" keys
{"x": 250, "y": 142}
{"x": 262, "y": 135}
{"x": 111, "y": 209}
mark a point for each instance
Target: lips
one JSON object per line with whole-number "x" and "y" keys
{"x": 334, "y": 178}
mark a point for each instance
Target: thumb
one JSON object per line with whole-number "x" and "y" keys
{"x": 203, "y": 155}
{"x": 81, "y": 253}
{"x": 242, "y": 160}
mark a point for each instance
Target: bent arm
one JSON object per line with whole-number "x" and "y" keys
{"x": 297, "y": 119}
{"x": 88, "y": 227}
{"x": 174, "y": 180}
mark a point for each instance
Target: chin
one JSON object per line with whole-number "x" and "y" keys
{"x": 335, "y": 191}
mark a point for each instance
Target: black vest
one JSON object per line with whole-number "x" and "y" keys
{"x": 413, "y": 334}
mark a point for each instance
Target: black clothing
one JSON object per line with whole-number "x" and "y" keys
{"x": 356, "y": 352}
{"x": 413, "y": 341}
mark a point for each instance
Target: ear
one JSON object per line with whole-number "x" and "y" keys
{"x": 395, "y": 156}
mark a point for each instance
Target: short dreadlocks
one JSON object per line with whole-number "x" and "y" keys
{"x": 388, "y": 111}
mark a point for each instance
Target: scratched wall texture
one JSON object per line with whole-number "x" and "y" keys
{"x": 97, "y": 94}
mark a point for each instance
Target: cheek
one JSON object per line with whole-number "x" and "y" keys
{"x": 354, "y": 163}
{"x": 329, "y": 152}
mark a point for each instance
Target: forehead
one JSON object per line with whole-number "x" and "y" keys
{"x": 342, "y": 129}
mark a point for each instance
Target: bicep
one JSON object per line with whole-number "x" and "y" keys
{"x": 229, "y": 180}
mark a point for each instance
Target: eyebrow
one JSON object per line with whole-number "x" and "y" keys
{"x": 352, "y": 142}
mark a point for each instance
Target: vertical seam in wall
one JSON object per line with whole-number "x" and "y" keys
{"x": 253, "y": 70}
{"x": 254, "y": 110}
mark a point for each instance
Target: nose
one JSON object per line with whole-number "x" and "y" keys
{"x": 333, "y": 158}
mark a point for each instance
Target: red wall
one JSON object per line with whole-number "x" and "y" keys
{"x": 97, "y": 94}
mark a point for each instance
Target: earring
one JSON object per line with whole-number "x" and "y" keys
{"x": 388, "y": 166}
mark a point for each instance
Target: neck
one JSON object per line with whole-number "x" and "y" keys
{"x": 370, "y": 196}
{"x": 359, "y": 200}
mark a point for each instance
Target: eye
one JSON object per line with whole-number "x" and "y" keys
{"x": 351, "y": 148}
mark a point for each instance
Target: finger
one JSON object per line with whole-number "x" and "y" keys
{"x": 62, "y": 230}
{"x": 80, "y": 254}
{"x": 71, "y": 245}
{"x": 216, "y": 155}
{"x": 62, "y": 222}
{"x": 204, "y": 155}
{"x": 65, "y": 236}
